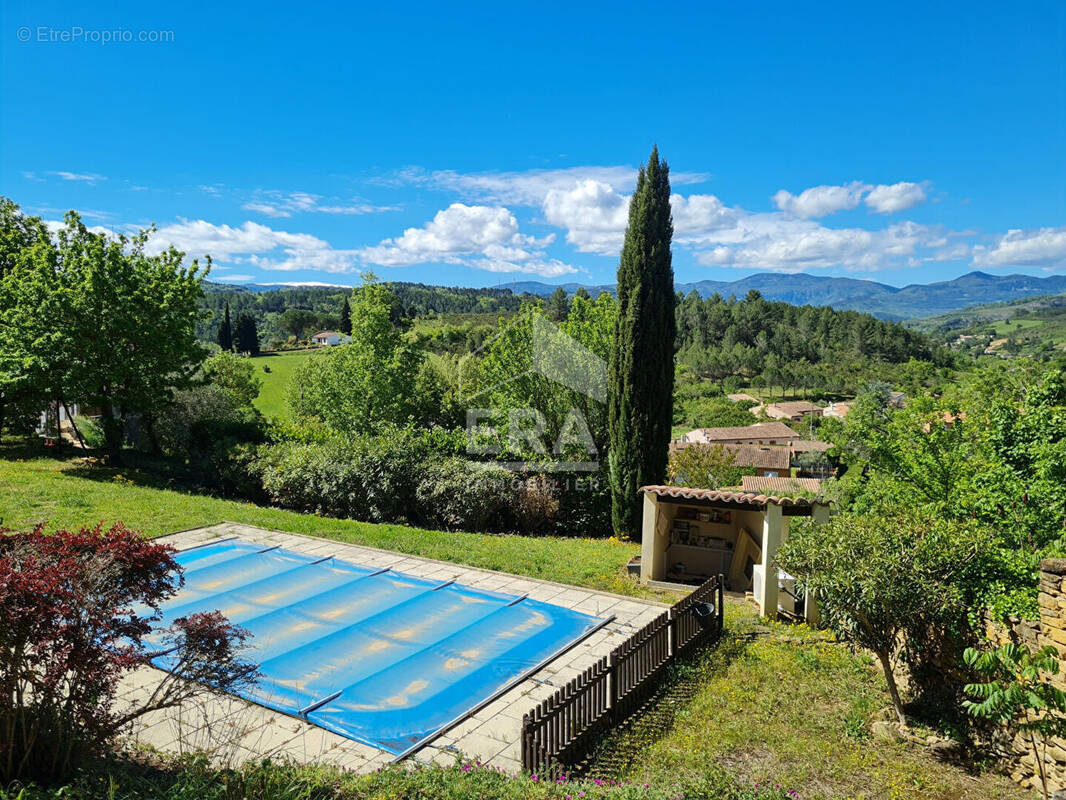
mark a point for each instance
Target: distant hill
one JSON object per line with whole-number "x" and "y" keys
{"x": 871, "y": 297}
{"x": 1028, "y": 326}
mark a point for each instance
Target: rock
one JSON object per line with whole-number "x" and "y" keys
{"x": 945, "y": 749}
{"x": 886, "y": 731}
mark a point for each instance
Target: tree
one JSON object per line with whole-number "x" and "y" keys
{"x": 346, "y": 318}
{"x": 77, "y": 612}
{"x": 247, "y": 335}
{"x": 355, "y": 387}
{"x": 708, "y": 466}
{"x": 1018, "y": 695}
{"x": 558, "y": 305}
{"x": 296, "y": 321}
{"x": 894, "y": 585}
{"x": 225, "y": 332}
{"x": 31, "y": 345}
{"x": 93, "y": 318}
{"x": 641, "y": 368}
{"x": 235, "y": 376}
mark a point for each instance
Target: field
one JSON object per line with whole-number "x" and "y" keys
{"x": 271, "y": 400}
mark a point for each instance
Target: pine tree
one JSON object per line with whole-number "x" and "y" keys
{"x": 558, "y": 305}
{"x": 641, "y": 370}
{"x": 346, "y": 318}
{"x": 246, "y": 334}
{"x": 225, "y": 332}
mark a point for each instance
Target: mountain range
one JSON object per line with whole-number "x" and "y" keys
{"x": 879, "y": 299}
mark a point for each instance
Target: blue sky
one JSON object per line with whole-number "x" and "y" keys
{"x": 479, "y": 143}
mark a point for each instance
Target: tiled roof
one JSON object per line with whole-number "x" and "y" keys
{"x": 327, "y": 333}
{"x": 762, "y": 456}
{"x": 761, "y": 430}
{"x": 725, "y": 496}
{"x": 807, "y": 445}
{"x": 795, "y": 407}
{"x": 761, "y": 484}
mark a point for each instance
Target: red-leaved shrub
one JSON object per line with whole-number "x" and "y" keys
{"x": 77, "y": 611}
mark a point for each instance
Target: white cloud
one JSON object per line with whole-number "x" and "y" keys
{"x": 529, "y": 187}
{"x": 254, "y": 244}
{"x": 592, "y": 212}
{"x": 85, "y": 177}
{"x": 820, "y": 201}
{"x": 483, "y": 237}
{"x": 1043, "y": 247}
{"x": 792, "y": 248}
{"x": 280, "y": 205}
{"x": 235, "y": 278}
{"x": 898, "y": 197}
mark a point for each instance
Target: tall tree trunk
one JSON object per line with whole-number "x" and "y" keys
{"x": 112, "y": 435}
{"x": 893, "y": 690}
{"x": 74, "y": 425}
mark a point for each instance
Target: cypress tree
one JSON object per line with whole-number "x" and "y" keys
{"x": 346, "y": 317}
{"x": 225, "y": 332}
{"x": 558, "y": 305}
{"x": 641, "y": 369}
{"x": 247, "y": 335}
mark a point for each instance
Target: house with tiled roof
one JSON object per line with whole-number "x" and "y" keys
{"x": 759, "y": 433}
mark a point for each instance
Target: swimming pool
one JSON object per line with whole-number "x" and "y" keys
{"x": 371, "y": 654}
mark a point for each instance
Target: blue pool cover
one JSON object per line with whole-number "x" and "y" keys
{"x": 373, "y": 655}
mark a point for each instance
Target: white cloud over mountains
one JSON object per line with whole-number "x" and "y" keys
{"x": 510, "y": 222}
{"x": 255, "y": 245}
{"x": 1044, "y": 247}
{"x": 483, "y": 237}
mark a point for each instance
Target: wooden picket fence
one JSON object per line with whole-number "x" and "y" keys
{"x": 563, "y": 730}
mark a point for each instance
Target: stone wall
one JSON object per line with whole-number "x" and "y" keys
{"x": 1049, "y": 630}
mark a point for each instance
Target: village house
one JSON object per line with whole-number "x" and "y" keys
{"x": 794, "y": 411}
{"x": 838, "y": 410}
{"x": 759, "y": 433}
{"x": 330, "y": 338}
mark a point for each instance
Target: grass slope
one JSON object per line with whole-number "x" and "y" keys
{"x": 271, "y": 400}
{"x": 66, "y": 493}
{"x": 781, "y": 704}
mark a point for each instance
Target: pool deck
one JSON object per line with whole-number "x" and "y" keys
{"x": 233, "y": 730}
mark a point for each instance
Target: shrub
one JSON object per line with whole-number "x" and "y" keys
{"x": 235, "y": 376}
{"x": 202, "y": 418}
{"x": 90, "y": 431}
{"x": 76, "y": 613}
{"x": 902, "y": 584}
{"x": 457, "y": 495}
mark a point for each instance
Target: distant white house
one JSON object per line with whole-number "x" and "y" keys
{"x": 330, "y": 338}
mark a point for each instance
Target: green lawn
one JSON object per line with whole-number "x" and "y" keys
{"x": 66, "y": 493}
{"x": 271, "y": 400}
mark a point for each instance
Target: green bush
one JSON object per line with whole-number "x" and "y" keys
{"x": 90, "y": 431}
{"x": 200, "y": 419}
{"x": 418, "y": 476}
